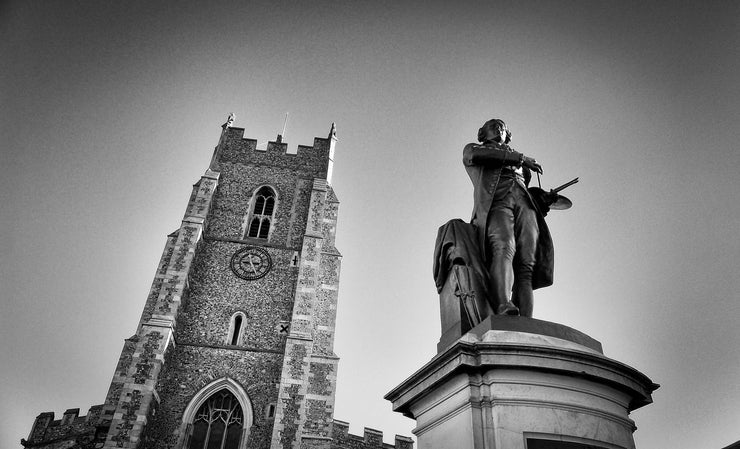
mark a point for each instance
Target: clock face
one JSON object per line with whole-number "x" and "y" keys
{"x": 251, "y": 263}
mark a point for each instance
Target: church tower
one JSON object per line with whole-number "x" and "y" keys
{"x": 234, "y": 348}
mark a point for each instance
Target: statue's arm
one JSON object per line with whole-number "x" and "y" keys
{"x": 475, "y": 154}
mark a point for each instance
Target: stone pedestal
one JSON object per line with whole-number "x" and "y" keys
{"x": 516, "y": 383}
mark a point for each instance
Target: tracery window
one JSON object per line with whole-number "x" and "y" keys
{"x": 260, "y": 219}
{"x": 218, "y": 423}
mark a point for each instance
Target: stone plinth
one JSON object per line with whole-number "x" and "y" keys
{"x": 504, "y": 388}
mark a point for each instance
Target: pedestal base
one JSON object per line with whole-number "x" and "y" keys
{"x": 504, "y": 389}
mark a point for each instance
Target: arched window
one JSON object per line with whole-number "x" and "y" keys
{"x": 218, "y": 423}
{"x": 260, "y": 219}
{"x": 219, "y": 416}
{"x": 236, "y": 328}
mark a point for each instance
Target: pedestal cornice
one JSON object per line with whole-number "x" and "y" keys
{"x": 502, "y": 349}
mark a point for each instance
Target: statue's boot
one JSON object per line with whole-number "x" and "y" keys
{"x": 507, "y": 309}
{"x": 523, "y": 295}
{"x": 502, "y": 277}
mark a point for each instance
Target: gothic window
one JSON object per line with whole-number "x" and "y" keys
{"x": 218, "y": 423}
{"x": 260, "y": 218}
{"x": 236, "y": 329}
{"x": 220, "y": 415}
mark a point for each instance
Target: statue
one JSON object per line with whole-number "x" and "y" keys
{"x": 493, "y": 264}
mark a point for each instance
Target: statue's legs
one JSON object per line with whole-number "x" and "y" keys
{"x": 501, "y": 238}
{"x": 511, "y": 233}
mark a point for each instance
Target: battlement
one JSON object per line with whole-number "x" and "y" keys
{"x": 371, "y": 439}
{"x": 71, "y": 427}
{"x": 315, "y": 161}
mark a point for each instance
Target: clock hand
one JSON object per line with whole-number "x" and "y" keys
{"x": 254, "y": 270}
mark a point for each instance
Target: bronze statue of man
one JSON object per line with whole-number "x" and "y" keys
{"x": 513, "y": 239}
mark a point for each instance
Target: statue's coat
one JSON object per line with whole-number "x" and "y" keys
{"x": 484, "y": 164}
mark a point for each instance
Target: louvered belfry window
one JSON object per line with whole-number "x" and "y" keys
{"x": 264, "y": 206}
{"x": 218, "y": 423}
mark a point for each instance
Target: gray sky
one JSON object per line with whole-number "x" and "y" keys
{"x": 111, "y": 110}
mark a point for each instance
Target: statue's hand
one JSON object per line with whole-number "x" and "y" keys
{"x": 532, "y": 164}
{"x": 550, "y": 197}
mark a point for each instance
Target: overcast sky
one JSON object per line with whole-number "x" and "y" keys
{"x": 110, "y": 111}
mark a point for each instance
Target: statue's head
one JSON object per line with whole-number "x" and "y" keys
{"x": 494, "y": 130}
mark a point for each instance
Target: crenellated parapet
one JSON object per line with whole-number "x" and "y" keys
{"x": 371, "y": 439}
{"x": 72, "y": 430}
{"x": 313, "y": 161}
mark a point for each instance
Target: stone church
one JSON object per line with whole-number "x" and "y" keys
{"x": 234, "y": 348}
